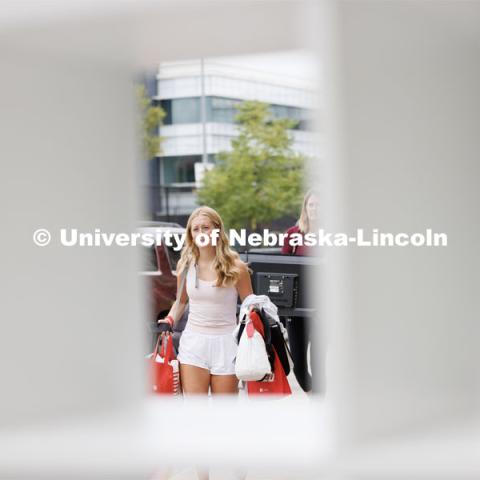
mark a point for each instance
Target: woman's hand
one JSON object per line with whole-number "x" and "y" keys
{"x": 165, "y": 325}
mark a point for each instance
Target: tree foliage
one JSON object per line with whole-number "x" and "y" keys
{"x": 150, "y": 118}
{"x": 261, "y": 178}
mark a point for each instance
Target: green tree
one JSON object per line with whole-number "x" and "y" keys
{"x": 261, "y": 178}
{"x": 150, "y": 118}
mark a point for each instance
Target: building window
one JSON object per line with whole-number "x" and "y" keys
{"x": 181, "y": 110}
{"x": 222, "y": 110}
{"x": 179, "y": 169}
{"x": 300, "y": 115}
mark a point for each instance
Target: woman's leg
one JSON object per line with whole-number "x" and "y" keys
{"x": 224, "y": 384}
{"x": 298, "y": 338}
{"x": 195, "y": 380}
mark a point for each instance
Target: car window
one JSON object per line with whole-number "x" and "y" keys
{"x": 173, "y": 257}
{"x": 149, "y": 259}
{"x": 173, "y": 253}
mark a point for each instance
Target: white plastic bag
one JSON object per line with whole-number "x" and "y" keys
{"x": 252, "y": 362}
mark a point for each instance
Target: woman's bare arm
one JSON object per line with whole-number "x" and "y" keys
{"x": 244, "y": 283}
{"x": 178, "y": 307}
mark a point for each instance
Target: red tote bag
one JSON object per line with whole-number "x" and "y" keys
{"x": 277, "y": 383}
{"x": 164, "y": 368}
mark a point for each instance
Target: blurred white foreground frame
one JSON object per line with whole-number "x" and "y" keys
{"x": 72, "y": 348}
{"x": 401, "y": 129}
{"x": 402, "y": 119}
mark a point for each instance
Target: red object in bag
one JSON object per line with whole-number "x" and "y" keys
{"x": 277, "y": 384}
{"x": 164, "y": 368}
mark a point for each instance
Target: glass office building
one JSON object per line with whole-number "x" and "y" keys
{"x": 199, "y": 99}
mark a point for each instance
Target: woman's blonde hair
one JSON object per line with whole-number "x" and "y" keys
{"x": 304, "y": 222}
{"x": 226, "y": 259}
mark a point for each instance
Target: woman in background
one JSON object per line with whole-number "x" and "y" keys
{"x": 299, "y": 328}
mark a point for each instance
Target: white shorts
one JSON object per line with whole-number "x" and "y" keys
{"x": 215, "y": 353}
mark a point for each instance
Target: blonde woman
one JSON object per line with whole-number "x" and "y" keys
{"x": 214, "y": 278}
{"x": 307, "y": 223}
{"x": 299, "y": 328}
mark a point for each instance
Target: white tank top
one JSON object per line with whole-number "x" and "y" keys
{"x": 212, "y": 310}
